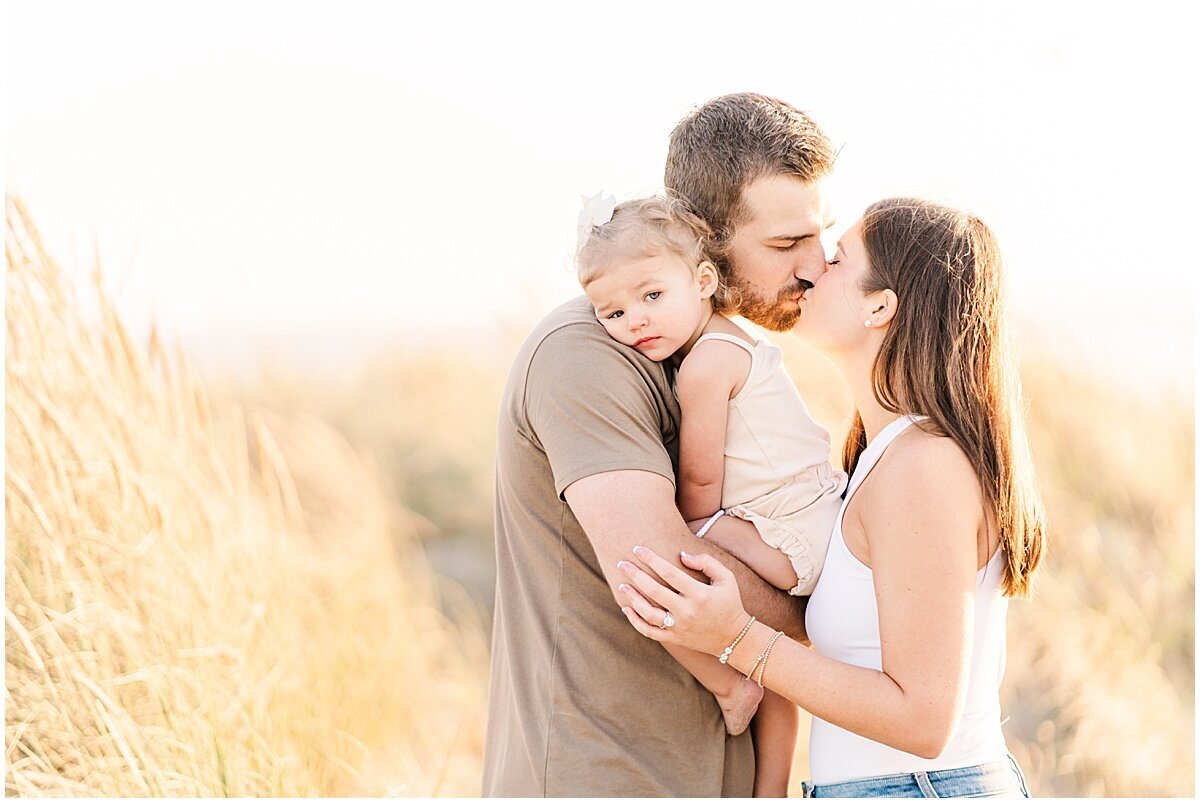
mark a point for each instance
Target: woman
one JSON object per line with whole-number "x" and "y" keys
{"x": 941, "y": 523}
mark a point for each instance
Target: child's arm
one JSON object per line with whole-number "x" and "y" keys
{"x": 707, "y": 379}
{"x": 774, "y": 728}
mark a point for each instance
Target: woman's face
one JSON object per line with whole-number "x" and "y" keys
{"x": 834, "y": 309}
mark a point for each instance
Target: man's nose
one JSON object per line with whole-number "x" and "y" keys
{"x": 810, "y": 270}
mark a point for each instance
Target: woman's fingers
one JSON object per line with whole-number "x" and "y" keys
{"x": 701, "y": 617}
{"x": 716, "y": 571}
{"x": 649, "y": 631}
{"x": 648, "y": 612}
{"x": 652, "y": 589}
{"x": 678, "y": 579}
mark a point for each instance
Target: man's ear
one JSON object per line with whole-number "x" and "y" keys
{"x": 882, "y": 308}
{"x": 707, "y": 279}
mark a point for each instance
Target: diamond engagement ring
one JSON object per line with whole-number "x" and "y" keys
{"x": 668, "y": 620}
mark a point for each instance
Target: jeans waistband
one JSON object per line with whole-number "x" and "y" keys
{"x": 996, "y": 777}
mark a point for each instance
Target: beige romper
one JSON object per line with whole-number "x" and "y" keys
{"x": 777, "y": 470}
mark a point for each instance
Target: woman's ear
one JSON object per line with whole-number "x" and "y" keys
{"x": 881, "y": 308}
{"x": 707, "y": 279}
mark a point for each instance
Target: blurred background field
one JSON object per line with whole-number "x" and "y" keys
{"x": 278, "y": 582}
{"x": 1099, "y": 689}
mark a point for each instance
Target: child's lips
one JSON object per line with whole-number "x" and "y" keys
{"x": 645, "y": 341}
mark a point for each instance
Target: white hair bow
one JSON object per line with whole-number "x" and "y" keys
{"x": 596, "y": 211}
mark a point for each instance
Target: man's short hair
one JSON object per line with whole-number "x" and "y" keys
{"x": 729, "y": 142}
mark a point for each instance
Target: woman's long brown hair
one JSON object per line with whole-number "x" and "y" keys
{"x": 946, "y": 355}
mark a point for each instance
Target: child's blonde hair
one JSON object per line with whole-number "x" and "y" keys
{"x": 646, "y": 227}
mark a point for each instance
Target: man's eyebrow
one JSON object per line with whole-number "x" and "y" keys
{"x": 799, "y": 237}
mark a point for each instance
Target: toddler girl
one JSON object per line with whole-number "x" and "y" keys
{"x": 747, "y": 446}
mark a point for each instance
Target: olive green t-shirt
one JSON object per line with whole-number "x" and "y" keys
{"x": 580, "y": 703}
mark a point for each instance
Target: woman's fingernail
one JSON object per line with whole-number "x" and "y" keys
{"x": 624, "y": 588}
{"x": 640, "y": 551}
{"x": 686, "y": 554}
{"x": 623, "y": 566}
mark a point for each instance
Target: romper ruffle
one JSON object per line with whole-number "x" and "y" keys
{"x": 800, "y": 532}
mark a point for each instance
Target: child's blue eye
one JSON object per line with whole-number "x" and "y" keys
{"x": 612, "y": 316}
{"x": 654, "y": 295}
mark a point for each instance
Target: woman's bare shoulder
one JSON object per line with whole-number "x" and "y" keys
{"x": 921, "y": 450}
{"x": 926, "y": 468}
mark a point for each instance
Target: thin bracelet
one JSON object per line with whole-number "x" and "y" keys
{"x": 708, "y": 524}
{"x": 724, "y": 657}
{"x": 762, "y": 657}
{"x": 767, "y": 654}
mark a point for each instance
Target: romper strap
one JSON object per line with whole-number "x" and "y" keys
{"x": 728, "y": 339}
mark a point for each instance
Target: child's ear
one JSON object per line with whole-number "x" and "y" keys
{"x": 707, "y": 279}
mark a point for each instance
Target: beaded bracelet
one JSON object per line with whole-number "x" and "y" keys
{"x": 724, "y": 657}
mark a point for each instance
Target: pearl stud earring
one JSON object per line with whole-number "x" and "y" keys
{"x": 867, "y": 324}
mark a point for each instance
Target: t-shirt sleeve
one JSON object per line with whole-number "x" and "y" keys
{"x": 592, "y": 409}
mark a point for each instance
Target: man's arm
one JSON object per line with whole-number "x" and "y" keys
{"x": 622, "y": 509}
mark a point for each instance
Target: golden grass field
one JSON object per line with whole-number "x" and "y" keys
{"x": 202, "y": 601}
{"x": 221, "y": 587}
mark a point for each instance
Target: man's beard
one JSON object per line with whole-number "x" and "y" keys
{"x": 773, "y": 315}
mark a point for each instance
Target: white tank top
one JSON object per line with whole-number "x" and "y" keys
{"x": 843, "y": 623}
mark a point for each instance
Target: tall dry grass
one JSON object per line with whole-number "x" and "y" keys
{"x": 199, "y": 601}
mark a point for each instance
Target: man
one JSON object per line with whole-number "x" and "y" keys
{"x": 580, "y": 703}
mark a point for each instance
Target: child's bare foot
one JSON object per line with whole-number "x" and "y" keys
{"x": 740, "y": 705}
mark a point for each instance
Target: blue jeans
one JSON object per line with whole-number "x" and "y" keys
{"x": 997, "y": 779}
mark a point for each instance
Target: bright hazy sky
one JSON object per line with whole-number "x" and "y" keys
{"x": 316, "y": 170}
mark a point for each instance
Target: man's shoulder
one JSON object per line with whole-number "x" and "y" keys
{"x": 571, "y": 334}
{"x": 568, "y": 357}
{"x": 573, "y": 320}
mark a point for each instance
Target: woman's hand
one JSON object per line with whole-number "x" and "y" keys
{"x": 703, "y": 616}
